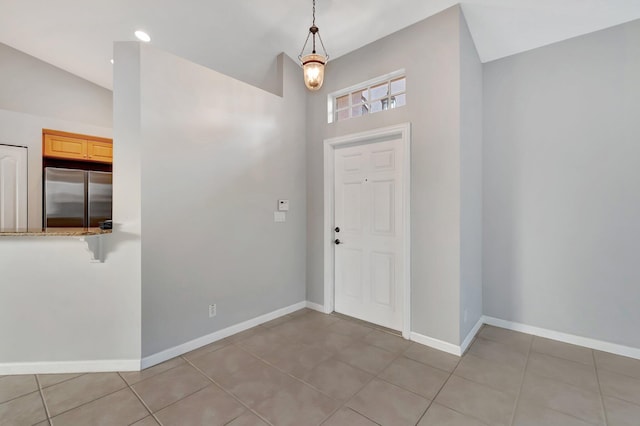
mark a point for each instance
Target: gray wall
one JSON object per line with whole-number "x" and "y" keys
{"x": 31, "y": 86}
{"x": 471, "y": 182}
{"x": 562, "y": 186}
{"x": 217, "y": 155}
{"x": 430, "y": 53}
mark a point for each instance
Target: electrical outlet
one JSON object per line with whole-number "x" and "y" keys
{"x": 212, "y": 310}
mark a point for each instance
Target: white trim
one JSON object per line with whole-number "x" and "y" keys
{"x": 600, "y": 345}
{"x": 59, "y": 367}
{"x": 467, "y": 340}
{"x": 404, "y": 132}
{"x": 93, "y": 366}
{"x": 183, "y": 348}
{"x": 365, "y": 85}
{"x": 315, "y": 306}
{"x": 440, "y": 345}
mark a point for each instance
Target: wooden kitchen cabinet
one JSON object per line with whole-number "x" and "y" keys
{"x": 100, "y": 151}
{"x": 72, "y": 146}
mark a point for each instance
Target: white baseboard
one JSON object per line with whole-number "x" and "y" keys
{"x": 316, "y": 307}
{"x": 467, "y": 340}
{"x": 440, "y": 345}
{"x": 599, "y": 345}
{"x": 135, "y": 364}
{"x": 183, "y": 348}
{"x": 53, "y": 367}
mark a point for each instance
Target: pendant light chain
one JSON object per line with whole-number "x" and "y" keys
{"x": 314, "y": 12}
{"x": 313, "y": 25}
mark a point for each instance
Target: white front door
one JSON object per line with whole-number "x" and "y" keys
{"x": 13, "y": 187}
{"x": 369, "y": 250}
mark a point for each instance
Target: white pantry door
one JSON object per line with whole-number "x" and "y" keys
{"x": 368, "y": 218}
{"x": 13, "y": 187}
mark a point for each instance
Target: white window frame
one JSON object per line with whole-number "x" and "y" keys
{"x": 365, "y": 85}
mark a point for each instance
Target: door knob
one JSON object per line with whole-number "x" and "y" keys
{"x": 337, "y": 241}
{"x": 337, "y": 229}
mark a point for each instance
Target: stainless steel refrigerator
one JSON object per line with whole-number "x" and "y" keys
{"x": 76, "y": 198}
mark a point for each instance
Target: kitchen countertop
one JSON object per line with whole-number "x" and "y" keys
{"x": 53, "y": 232}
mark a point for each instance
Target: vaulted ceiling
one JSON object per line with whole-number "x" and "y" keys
{"x": 242, "y": 38}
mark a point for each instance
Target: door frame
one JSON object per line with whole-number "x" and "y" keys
{"x": 403, "y": 132}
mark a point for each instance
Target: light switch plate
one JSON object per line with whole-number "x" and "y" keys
{"x": 283, "y": 205}
{"x": 279, "y": 217}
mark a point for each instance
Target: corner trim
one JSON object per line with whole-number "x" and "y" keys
{"x": 599, "y": 345}
{"x": 316, "y": 307}
{"x": 440, "y": 345}
{"x": 467, "y": 340}
{"x": 59, "y": 367}
{"x": 183, "y": 348}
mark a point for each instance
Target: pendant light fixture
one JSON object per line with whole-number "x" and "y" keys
{"x": 313, "y": 63}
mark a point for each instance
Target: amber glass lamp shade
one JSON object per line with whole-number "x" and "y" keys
{"x": 313, "y": 69}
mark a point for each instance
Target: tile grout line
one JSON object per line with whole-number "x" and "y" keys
{"x": 524, "y": 373}
{"x": 297, "y": 379}
{"x": 373, "y": 376}
{"x": 228, "y": 393}
{"x": 440, "y": 390}
{"x": 93, "y": 400}
{"x": 44, "y": 402}
{"x": 144, "y": 404}
{"x": 604, "y": 410}
{"x": 360, "y": 339}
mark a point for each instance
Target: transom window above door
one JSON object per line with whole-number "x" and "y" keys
{"x": 375, "y": 95}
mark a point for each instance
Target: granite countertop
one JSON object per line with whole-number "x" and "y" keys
{"x": 53, "y": 232}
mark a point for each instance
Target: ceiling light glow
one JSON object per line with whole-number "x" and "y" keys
{"x": 142, "y": 36}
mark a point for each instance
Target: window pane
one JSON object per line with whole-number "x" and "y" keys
{"x": 343, "y": 115}
{"x": 342, "y": 102}
{"x": 359, "y": 97}
{"x": 359, "y": 110}
{"x": 378, "y": 105}
{"x": 398, "y": 85}
{"x": 398, "y": 100}
{"x": 380, "y": 91}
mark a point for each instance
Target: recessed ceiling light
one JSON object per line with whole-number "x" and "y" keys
{"x": 112, "y": 61}
{"x": 142, "y": 36}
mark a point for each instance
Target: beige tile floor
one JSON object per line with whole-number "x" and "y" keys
{"x": 309, "y": 368}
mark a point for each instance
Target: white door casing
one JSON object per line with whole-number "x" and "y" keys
{"x": 13, "y": 187}
{"x": 367, "y": 196}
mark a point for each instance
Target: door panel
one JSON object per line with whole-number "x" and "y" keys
{"x": 352, "y": 202}
{"x": 383, "y": 159}
{"x": 13, "y": 187}
{"x": 382, "y": 278}
{"x": 383, "y": 206}
{"x": 352, "y": 273}
{"x": 368, "y": 211}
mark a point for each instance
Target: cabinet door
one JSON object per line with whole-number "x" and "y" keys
{"x": 65, "y": 147}
{"x": 100, "y": 151}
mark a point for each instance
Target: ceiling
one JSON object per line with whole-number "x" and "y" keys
{"x": 243, "y": 38}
